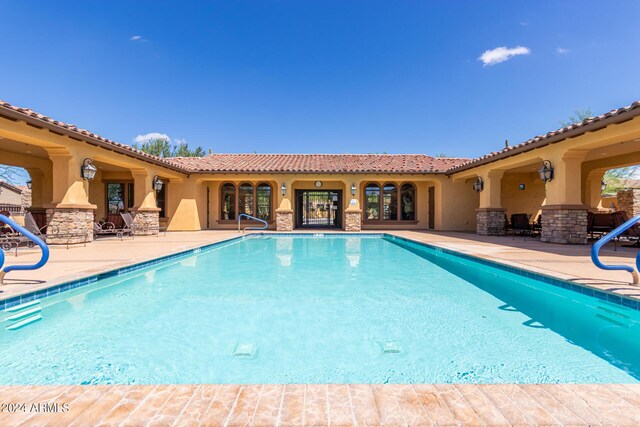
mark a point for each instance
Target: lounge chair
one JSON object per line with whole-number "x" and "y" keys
{"x": 130, "y": 225}
{"x": 620, "y": 218}
{"x": 107, "y": 229}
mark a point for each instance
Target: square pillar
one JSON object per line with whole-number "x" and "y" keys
{"x": 284, "y": 213}
{"x": 145, "y": 213}
{"x": 566, "y": 224}
{"x": 70, "y": 216}
{"x": 629, "y": 201}
{"x": 491, "y": 222}
{"x": 490, "y": 219}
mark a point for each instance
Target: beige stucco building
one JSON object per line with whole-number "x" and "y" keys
{"x": 345, "y": 191}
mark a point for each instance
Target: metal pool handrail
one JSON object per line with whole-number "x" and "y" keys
{"x": 264, "y": 227}
{"x": 595, "y": 249}
{"x": 43, "y": 246}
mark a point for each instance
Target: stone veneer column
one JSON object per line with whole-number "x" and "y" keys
{"x": 69, "y": 226}
{"x": 491, "y": 222}
{"x": 352, "y": 219}
{"x": 284, "y": 219}
{"x": 629, "y": 201}
{"x": 564, "y": 224}
{"x": 146, "y": 222}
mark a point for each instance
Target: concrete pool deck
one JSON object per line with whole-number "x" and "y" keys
{"x": 288, "y": 405}
{"x": 319, "y": 405}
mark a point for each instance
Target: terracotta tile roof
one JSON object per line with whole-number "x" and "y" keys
{"x": 28, "y": 113}
{"x": 318, "y": 163}
{"x": 322, "y": 163}
{"x": 554, "y": 136}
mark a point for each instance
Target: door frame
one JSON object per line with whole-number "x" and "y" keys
{"x": 299, "y": 206}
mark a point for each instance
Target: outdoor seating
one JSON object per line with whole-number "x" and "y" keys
{"x": 520, "y": 224}
{"x": 133, "y": 227}
{"x": 107, "y": 229}
{"x": 600, "y": 222}
{"x": 620, "y": 218}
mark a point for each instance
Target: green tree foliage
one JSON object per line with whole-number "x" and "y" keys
{"x": 577, "y": 117}
{"x": 162, "y": 147}
{"x": 617, "y": 179}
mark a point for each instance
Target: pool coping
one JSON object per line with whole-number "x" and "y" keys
{"x": 585, "y": 289}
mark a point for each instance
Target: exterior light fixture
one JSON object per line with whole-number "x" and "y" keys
{"x": 603, "y": 185}
{"x": 29, "y": 184}
{"x": 283, "y": 189}
{"x": 353, "y": 189}
{"x": 87, "y": 170}
{"x": 546, "y": 171}
{"x": 157, "y": 184}
{"x": 478, "y": 184}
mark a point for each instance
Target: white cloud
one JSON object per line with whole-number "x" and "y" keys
{"x": 138, "y": 39}
{"x": 151, "y": 135}
{"x": 501, "y": 54}
{"x": 562, "y": 51}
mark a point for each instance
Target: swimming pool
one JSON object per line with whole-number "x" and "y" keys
{"x": 320, "y": 309}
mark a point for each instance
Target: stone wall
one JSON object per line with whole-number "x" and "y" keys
{"x": 69, "y": 226}
{"x": 629, "y": 201}
{"x": 146, "y": 223}
{"x": 352, "y": 220}
{"x": 491, "y": 222}
{"x": 284, "y": 220}
{"x": 565, "y": 226}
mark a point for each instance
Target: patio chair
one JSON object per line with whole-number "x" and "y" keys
{"x": 520, "y": 224}
{"x": 599, "y": 222}
{"x": 128, "y": 220}
{"x": 107, "y": 229}
{"x": 31, "y": 225}
{"x": 5, "y": 228}
{"x": 620, "y": 218}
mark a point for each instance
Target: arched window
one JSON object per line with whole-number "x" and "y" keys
{"x": 407, "y": 202}
{"x": 372, "y": 204}
{"x": 390, "y": 203}
{"x": 228, "y": 202}
{"x": 263, "y": 201}
{"x": 245, "y": 199}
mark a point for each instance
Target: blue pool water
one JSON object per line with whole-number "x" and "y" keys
{"x": 332, "y": 309}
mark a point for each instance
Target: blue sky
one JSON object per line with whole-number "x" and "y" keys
{"x": 321, "y": 76}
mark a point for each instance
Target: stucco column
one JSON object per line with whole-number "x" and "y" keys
{"x": 146, "y": 214}
{"x": 70, "y": 216}
{"x": 593, "y": 190}
{"x": 184, "y": 192}
{"x": 284, "y": 212}
{"x": 37, "y": 188}
{"x": 490, "y": 215}
{"x": 353, "y": 212}
{"x": 564, "y": 216}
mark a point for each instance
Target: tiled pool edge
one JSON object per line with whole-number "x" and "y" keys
{"x": 611, "y": 297}
{"x": 77, "y": 283}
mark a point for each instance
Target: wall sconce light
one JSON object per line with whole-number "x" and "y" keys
{"x": 283, "y": 189}
{"x": 603, "y": 185}
{"x": 521, "y": 186}
{"x": 478, "y": 184}
{"x": 87, "y": 170}
{"x": 29, "y": 184}
{"x": 353, "y": 189}
{"x": 157, "y": 184}
{"x": 546, "y": 171}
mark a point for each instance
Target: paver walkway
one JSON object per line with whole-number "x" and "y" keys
{"x": 317, "y": 404}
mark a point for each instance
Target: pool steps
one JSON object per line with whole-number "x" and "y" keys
{"x": 22, "y": 306}
{"x": 24, "y": 322}
{"x": 32, "y": 309}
